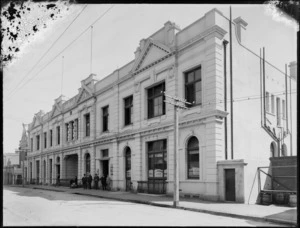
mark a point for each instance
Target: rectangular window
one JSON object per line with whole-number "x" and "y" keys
{"x": 45, "y": 139}
{"x": 31, "y": 144}
{"x": 51, "y": 138}
{"x": 128, "y": 111}
{"x": 156, "y": 104}
{"x": 72, "y": 130}
{"x": 157, "y": 159}
{"x": 58, "y": 135}
{"x": 38, "y": 142}
{"x": 267, "y": 102}
{"x": 104, "y": 153}
{"x": 105, "y": 118}
{"x": 67, "y": 132}
{"x": 76, "y": 129}
{"x": 283, "y": 109}
{"x": 193, "y": 86}
{"x": 278, "y": 111}
{"x": 272, "y": 104}
{"x": 87, "y": 124}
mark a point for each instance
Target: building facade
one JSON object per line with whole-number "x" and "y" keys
{"x": 120, "y": 126}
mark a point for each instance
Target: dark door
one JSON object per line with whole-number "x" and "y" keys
{"x": 105, "y": 167}
{"x": 230, "y": 184}
{"x": 128, "y": 169}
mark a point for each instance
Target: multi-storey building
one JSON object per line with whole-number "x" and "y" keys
{"x": 121, "y": 126}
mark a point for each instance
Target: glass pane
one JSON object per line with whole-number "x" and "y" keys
{"x": 198, "y": 86}
{"x": 150, "y": 165}
{"x": 156, "y": 110}
{"x": 150, "y": 93}
{"x": 198, "y": 97}
{"x": 190, "y": 77}
{"x": 190, "y": 93}
{"x": 198, "y": 74}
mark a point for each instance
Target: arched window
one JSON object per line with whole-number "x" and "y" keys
{"x": 87, "y": 163}
{"x": 284, "y": 150}
{"x": 273, "y": 150}
{"x": 193, "y": 158}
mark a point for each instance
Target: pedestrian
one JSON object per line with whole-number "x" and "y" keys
{"x": 90, "y": 179}
{"x": 58, "y": 180}
{"x": 108, "y": 182}
{"x": 103, "y": 182}
{"x": 71, "y": 182}
{"x": 96, "y": 180}
{"x": 84, "y": 181}
{"x": 76, "y": 181}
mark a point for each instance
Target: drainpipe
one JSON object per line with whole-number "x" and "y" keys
{"x": 286, "y": 101}
{"x": 225, "y": 42}
{"x": 231, "y": 96}
{"x": 264, "y": 86}
{"x": 291, "y": 141}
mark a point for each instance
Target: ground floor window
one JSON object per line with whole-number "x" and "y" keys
{"x": 193, "y": 158}
{"x": 87, "y": 163}
{"x": 157, "y": 159}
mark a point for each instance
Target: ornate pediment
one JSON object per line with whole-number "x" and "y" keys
{"x": 83, "y": 94}
{"x": 149, "y": 52}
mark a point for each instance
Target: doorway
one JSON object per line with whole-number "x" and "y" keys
{"x": 230, "y": 184}
{"x": 105, "y": 167}
{"x": 128, "y": 168}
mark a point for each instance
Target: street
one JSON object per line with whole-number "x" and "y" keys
{"x": 33, "y": 207}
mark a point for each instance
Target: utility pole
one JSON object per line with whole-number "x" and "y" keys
{"x": 178, "y": 103}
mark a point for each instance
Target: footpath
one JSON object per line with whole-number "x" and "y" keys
{"x": 272, "y": 213}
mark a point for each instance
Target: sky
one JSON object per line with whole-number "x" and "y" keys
{"x": 51, "y": 61}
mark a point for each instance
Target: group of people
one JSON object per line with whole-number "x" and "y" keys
{"x": 87, "y": 181}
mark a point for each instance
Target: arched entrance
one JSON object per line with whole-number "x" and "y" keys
{"x": 44, "y": 171}
{"x": 87, "y": 163}
{"x": 71, "y": 166}
{"x": 128, "y": 168}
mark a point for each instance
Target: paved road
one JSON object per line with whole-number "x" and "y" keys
{"x": 33, "y": 207}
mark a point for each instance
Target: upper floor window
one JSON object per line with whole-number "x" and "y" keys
{"x": 272, "y": 104}
{"x": 105, "y": 118}
{"x": 267, "y": 102}
{"x": 278, "y": 111}
{"x": 193, "y": 158}
{"x": 75, "y": 129}
{"x": 45, "y": 139}
{"x": 87, "y": 124}
{"x": 104, "y": 153}
{"x": 58, "y": 134}
{"x": 156, "y": 104}
{"x": 283, "y": 110}
{"x": 51, "y": 138}
{"x": 193, "y": 86}
{"x": 128, "y": 112}
{"x": 31, "y": 144}
{"x": 38, "y": 142}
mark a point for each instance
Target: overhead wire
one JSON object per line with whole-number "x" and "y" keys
{"x": 46, "y": 52}
{"x": 64, "y": 49}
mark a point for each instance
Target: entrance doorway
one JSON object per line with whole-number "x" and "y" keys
{"x": 230, "y": 184}
{"x": 128, "y": 168}
{"x": 105, "y": 167}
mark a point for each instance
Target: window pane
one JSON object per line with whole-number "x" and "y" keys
{"x": 190, "y": 93}
{"x": 198, "y": 74}
{"x": 190, "y": 77}
{"x": 198, "y": 86}
{"x": 198, "y": 97}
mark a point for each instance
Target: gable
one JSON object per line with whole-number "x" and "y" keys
{"x": 36, "y": 122}
{"x": 83, "y": 95}
{"x": 151, "y": 56}
{"x": 55, "y": 111}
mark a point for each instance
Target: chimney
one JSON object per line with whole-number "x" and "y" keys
{"x": 293, "y": 69}
{"x": 240, "y": 23}
{"x": 169, "y": 33}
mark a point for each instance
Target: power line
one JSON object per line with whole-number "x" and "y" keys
{"x": 16, "y": 88}
{"x": 65, "y": 48}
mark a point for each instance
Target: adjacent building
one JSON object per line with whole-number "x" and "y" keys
{"x": 120, "y": 126}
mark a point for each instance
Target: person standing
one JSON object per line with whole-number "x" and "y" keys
{"x": 96, "y": 180}
{"x": 103, "y": 182}
{"x": 58, "y": 180}
{"x": 84, "y": 181}
{"x": 90, "y": 179}
{"x": 76, "y": 181}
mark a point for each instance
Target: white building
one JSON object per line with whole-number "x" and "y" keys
{"x": 121, "y": 127}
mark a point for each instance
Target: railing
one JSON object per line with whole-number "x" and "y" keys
{"x": 152, "y": 186}
{"x": 277, "y": 196}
